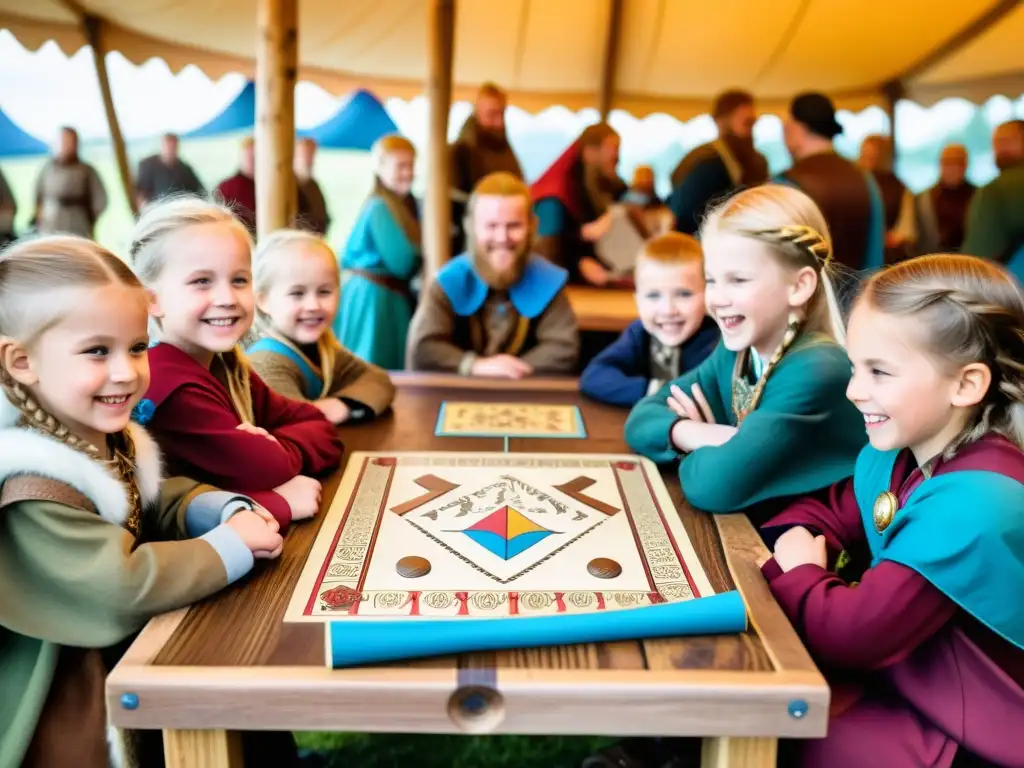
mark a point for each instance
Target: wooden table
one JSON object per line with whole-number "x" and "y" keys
{"x": 230, "y": 663}
{"x": 602, "y": 309}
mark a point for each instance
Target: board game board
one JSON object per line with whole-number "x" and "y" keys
{"x": 458, "y": 536}
{"x": 469, "y": 419}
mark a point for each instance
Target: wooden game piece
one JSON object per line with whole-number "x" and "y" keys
{"x": 603, "y": 568}
{"x": 413, "y": 567}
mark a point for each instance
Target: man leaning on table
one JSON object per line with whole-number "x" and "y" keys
{"x": 499, "y": 310}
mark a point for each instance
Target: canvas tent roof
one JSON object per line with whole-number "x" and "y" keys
{"x": 14, "y": 142}
{"x": 357, "y": 124}
{"x": 674, "y": 55}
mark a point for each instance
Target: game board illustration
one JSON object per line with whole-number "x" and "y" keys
{"x": 450, "y": 535}
{"x": 508, "y": 420}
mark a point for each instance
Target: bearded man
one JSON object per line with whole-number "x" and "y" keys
{"x": 713, "y": 171}
{"x": 497, "y": 310}
{"x": 995, "y": 218}
{"x": 481, "y": 148}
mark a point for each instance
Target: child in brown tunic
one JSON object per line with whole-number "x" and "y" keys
{"x": 296, "y": 280}
{"x": 497, "y": 310}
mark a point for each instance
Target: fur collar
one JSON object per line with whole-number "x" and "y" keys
{"x": 27, "y": 452}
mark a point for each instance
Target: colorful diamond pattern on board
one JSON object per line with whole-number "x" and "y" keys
{"x": 506, "y": 532}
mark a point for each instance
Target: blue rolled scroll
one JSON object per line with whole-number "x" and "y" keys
{"x": 369, "y": 641}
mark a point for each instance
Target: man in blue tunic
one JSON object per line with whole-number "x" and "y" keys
{"x": 499, "y": 310}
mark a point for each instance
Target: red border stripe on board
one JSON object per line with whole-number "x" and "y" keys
{"x": 632, "y": 527}
{"x": 334, "y": 544}
{"x": 664, "y": 522}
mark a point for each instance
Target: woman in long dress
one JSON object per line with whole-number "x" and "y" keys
{"x": 381, "y": 257}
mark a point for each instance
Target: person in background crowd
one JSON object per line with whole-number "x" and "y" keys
{"x": 1008, "y": 144}
{"x": 315, "y": 218}
{"x": 481, "y": 148}
{"x": 165, "y": 173}
{"x": 498, "y": 310}
{"x": 942, "y": 210}
{"x": 995, "y": 218}
{"x": 876, "y": 157}
{"x": 8, "y": 210}
{"x": 382, "y": 256}
{"x": 714, "y": 170}
{"x": 572, "y": 202}
{"x": 239, "y": 191}
{"x": 848, "y": 197}
{"x": 69, "y": 194}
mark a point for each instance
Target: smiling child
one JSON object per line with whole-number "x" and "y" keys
{"x": 673, "y": 334}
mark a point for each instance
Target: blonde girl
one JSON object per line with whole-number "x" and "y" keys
{"x": 81, "y": 500}
{"x": 765, "y": 416}
{"x": 381, "y": 258}
{"x": 213, "y": 417}
{"x": 295, "y": 275}
{"x": 933, "y": 633}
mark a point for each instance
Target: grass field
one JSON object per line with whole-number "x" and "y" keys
{"x": 346, "y": 750}
{"x": 345, "y": 176}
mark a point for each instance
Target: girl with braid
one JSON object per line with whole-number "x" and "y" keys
{"x": 926, "y": 652}
{"x": 213, "y": 416}
{"x": 765, "y": 417}
{"x": 82, "y": 506}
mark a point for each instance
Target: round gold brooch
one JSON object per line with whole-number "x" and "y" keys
{"x": 885, "y": 510}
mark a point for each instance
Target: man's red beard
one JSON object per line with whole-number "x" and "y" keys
{"x": 504, "y": 279}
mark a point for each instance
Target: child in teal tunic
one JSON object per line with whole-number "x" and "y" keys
{"x": 765, "y": 417}
{"x": 381, "y": 258}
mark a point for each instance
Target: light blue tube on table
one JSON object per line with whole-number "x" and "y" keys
{"x": 370, "y": 641}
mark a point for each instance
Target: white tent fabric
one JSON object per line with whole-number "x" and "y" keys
{"x": 674, "y": 55}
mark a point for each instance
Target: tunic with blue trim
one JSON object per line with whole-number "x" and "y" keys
{"x": 460, "y": 318}
{"x": 926, "y": 653}
{"x": 296, "y": 371}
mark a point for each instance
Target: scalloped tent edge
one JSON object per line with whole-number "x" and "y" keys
{"x": 139, "y": 48}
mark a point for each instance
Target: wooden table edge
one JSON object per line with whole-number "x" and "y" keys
{"x": 706, "y": 703}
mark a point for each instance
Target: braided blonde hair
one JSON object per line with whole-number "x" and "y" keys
{"x": 789, "y": 221}
{"x": 973, "y": 311}
{"x": 32, "y": 274}
{"x": 272, "y": 256}
{"x": 157, "y": 222}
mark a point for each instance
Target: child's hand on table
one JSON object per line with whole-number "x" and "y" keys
{"x": 254, "y": 430}
{"x": 303, "y": 496}
{"x": 694, "y": 409}
{"x": 262, "y": 538}
{"x": 333, "y": 409}
{"x": 798, "y": 546}
{"x": 697, "y": 428}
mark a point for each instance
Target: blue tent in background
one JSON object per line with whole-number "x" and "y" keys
{"x": 14, "y": 142}
{"x": 239, "y": 115}
{"x": 356, "y": 125}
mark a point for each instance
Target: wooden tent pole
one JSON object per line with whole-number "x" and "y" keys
{"x": 276, "y": 68}
{"x": 438, "y": 218}
{"x": 93, "y": 28}
{"x": 611, "y": 59}
{"x": 893, "y": 91}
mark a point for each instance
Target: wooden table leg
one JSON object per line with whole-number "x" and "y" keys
{"x": 733, "y": 752}
{"x": 203, "y": 749}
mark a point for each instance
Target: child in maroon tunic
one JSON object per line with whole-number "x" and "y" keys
{"x": 925, "y": 653}
{"x": 213, "y": 417}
